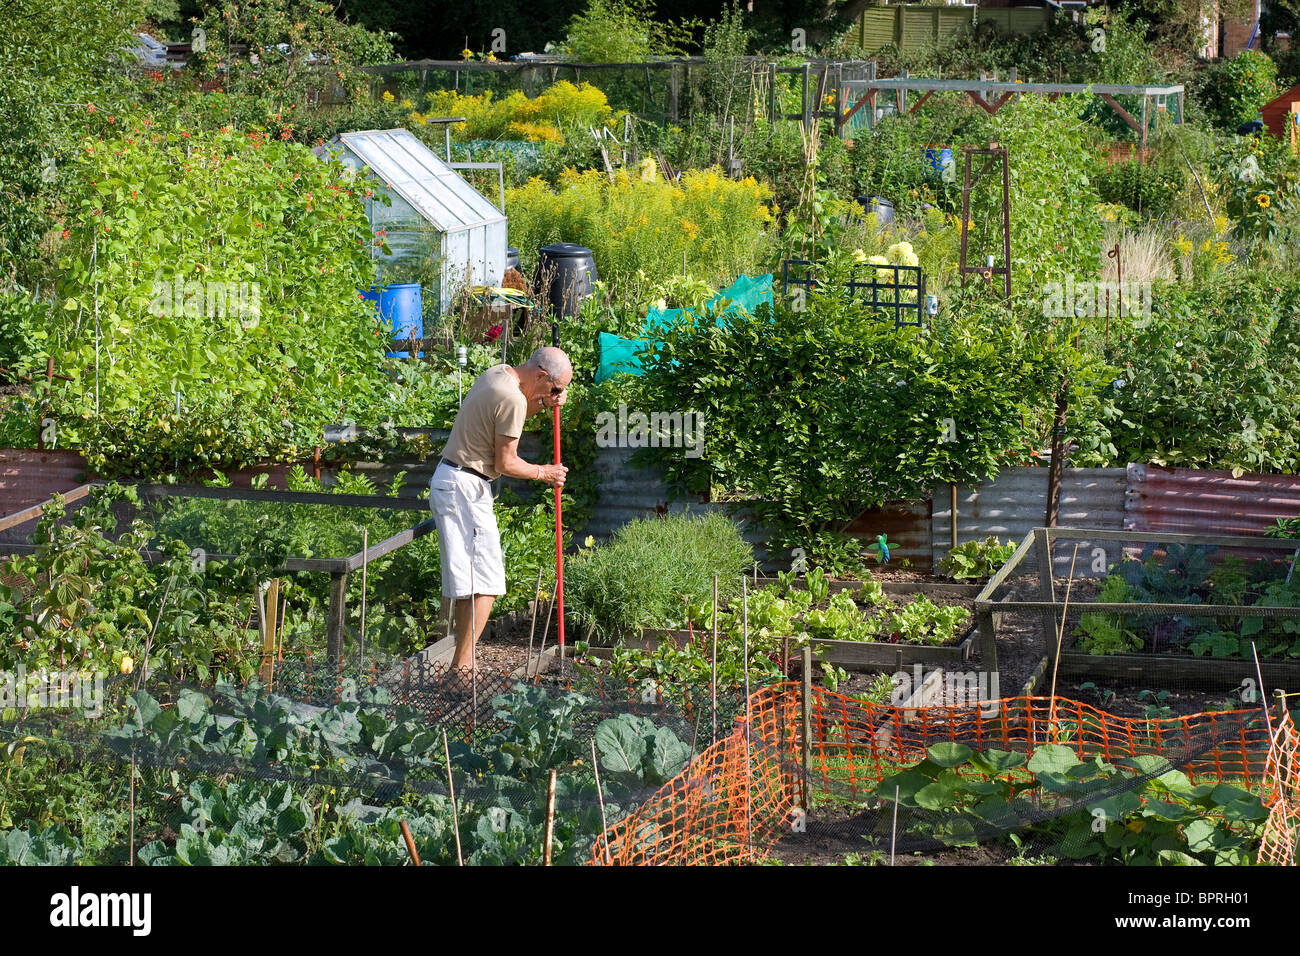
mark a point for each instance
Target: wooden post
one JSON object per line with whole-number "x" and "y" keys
{"x": 807, "y": 106}
{"x": 871, "y": 95}
{"x": 988, "y": 642}
{"x": 674, "y": 84}
{"x": 806, "y": 700}
{"x": 270, "y": 611}
{"x": 550, "y": 820}
{"x": 1046, "y": 590}
{"x": 1056, "y": 467}
{"x": 337, "y": 616}
{"x": 952, "y": 499}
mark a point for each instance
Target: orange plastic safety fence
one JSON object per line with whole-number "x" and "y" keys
{"x": 727, "y": 807}
{"x": 1282, "y": 796}
{"x": 855, "y": 744}
{"x": 733, "y": 802}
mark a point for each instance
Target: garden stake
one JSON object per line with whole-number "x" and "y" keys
{"x": 713, "y": 661}
{"x": 893, "y": 832}
{"x": 148, "y": 644}
{"x": 473, "y": 636}
{"x": 600, "y": 796}
{"x": 1268, "y": 718}
{"x": 1060, "y": 636}
{"x": 279, "y": 644}
{"x": 806, "y": 762}
{"x": 270, "y": 604}
{"x": 550, "y": 818}
{"x": 365, "y": 546}
{"x": 537, "y": 676}
{"x": 537, "y": 599}
{"x": 410, "y": 843}
{"x": 133, "y": 806}
{"x": 451, "y": 789}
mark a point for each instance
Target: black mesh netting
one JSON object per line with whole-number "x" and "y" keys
{"x": 249, "y": 775}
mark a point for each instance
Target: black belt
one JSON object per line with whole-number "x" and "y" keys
{"x": 476, "y": 474}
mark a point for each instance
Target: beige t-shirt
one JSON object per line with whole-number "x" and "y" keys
{"x": 495, "y": 405}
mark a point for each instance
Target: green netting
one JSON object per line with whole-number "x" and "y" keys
{"x": 620, "y": 356}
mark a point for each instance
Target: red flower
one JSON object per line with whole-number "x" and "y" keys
{"x": 493, "y": 333}
{"x": 90, "y": 107}
{"x": 284, "y": 134}
{"x": 67, "y": 234}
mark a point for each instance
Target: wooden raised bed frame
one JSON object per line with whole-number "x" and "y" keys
{"x": 1166, "y": 670}
{"x": 853, "y": 655}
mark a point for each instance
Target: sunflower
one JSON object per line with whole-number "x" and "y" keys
{"x": 1263, "y": 200}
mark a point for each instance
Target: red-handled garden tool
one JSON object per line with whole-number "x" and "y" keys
{"x": 559, "y": 525}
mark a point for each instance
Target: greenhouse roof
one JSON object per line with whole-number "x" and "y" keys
{"x": 413, "y": 171}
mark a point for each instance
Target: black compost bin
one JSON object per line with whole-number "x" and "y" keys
{"x": 565, "y": 273}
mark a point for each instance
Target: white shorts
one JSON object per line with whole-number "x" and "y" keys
{"x": 468, "y": 539}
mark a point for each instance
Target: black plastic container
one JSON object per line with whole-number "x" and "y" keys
{"x": 565, "y": 273}
{"x": 882, "y": 207}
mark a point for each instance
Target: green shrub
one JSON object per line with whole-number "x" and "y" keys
{"x": 803, "y": 461}
{"x": 652, "y": 568}
{"x": 1234, "y": 91}
{"x": 223, "y": 268}
{"x": 1142, "y": 188}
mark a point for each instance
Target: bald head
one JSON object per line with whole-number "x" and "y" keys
{"x": 544, "y": 377}
{"x": 553, "y": 362}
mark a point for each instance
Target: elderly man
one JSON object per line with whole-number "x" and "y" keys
{"x": 484, "y": 443}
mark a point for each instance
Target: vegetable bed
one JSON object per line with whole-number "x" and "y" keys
{"x": 857, "y": 625}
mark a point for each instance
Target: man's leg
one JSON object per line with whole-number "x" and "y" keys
{"x": 470, "y": 621}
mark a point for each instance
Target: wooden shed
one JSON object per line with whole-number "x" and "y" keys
{"x": 1282, "y": 116}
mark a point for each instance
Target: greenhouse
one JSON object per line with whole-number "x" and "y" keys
{"x": 438, "y": 229}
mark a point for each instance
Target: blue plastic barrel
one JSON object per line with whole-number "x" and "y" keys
{"x": 402, "y": 308}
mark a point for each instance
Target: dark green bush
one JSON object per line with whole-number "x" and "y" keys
{"x": 645, "y": 576}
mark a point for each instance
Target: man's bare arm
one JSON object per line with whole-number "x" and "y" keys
{"x": 511, "y": 465}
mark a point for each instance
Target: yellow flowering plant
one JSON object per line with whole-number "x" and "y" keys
{"x": 641, "y": 232}
{"x": 542, "y": 118}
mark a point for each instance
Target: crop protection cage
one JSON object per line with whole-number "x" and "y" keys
{"x": 339, "y": 535}
{"x": 901, "y": 295}
{"x": 1202, "y": 614}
